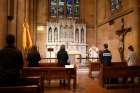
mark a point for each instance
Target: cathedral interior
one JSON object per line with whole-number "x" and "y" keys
{"x": 80, "y": 25}
{"x": 83, "y": 26}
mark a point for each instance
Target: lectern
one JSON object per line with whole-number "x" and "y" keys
{"x": 50, "y": 50}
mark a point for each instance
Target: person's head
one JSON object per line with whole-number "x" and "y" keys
{"x": 131, "y": 48}
{"x": 62, "y": 48}
{"x": 10, "y": 39}
{"x": 105, "y": 45}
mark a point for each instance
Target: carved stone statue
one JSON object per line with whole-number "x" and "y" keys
{"x": 122, "y": 33}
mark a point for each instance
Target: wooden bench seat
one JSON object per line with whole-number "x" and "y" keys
{"x": 20, "y": 89}
{"x": 126, "y": 85}
{"x": 25, "y": 85}
{"x": 52, "y": 73}
{"x": 119, "y": 72}
{"x": 55, "y": 64}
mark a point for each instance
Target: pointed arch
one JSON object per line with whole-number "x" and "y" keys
{"x": 50, "y": 35}
{"x": 77, "y": 35}
{"x": 82, "y": 35}
{"x": 55, "y": 35}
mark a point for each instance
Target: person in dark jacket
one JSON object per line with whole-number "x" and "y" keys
{"x": 106, "y": 60}
{"x": 106, "y": 55}
{"x": 33, "y": 57}
{"x": 11, "y": 62}
{"x": 62, "y": 56}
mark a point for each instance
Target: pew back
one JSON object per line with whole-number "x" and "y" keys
{"x": 52, "y": 73}
{"x": 95, "y": 66}
{"x": 119, "y": 72}
{"x": 48, "y": 64}
{"x": 20, "y": 89}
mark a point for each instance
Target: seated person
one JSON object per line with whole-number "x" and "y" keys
{"x": 33, "y": 57}
{"x": 11, "y": 64}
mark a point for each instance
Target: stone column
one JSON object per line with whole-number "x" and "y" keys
{"x": 84, "y": 27}
{"x": 74, "y": 30}
{"x": 53, "y": 33}
{"x": 3, "y": 22}
{"x": 79, "y": 33}
{"x": 58, "y": 32}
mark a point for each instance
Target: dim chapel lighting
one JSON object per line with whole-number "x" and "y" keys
{"x": 40, "y": 28}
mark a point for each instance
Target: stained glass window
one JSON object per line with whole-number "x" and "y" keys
{"x": 64, "y": 8}
{"x": 115, "y": 4}
{"x": 76, "y": 8}
{"x": 69, "y": 8}
{"x": 61, "y": 8}
{"x": 53, "y": 8}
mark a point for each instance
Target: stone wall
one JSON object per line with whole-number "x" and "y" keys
{"x": 109, "y": 23}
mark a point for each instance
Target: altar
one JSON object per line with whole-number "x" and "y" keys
{"x": 67, "y": 32}
{"x": 74, "y": 58}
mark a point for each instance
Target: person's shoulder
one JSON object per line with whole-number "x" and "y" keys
{"x": 10, "y": 50}
{"x": 58, "y": 52}
{"x": 65, "y": 51}
{"x": 106, "y": 51}
{"x": 109, "y": 51}
{"x": 1, "y": 50}
{"x": 16, "y": 50}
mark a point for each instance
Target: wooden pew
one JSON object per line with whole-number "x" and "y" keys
{"x": 53, "y": 73}
{"x": 118, "y": 64}
{"x": 95, "y": 66}
{"x": 25, "y": 85}
{"x": 34, "y": 76}
{"x": 48, "y": 64}
{"x": 119, "y": 72}
{"x": 20, "y": 89}
{"x": 55, "y": 64}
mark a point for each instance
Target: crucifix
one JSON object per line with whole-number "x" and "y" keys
{"x": 122, "y": 33}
